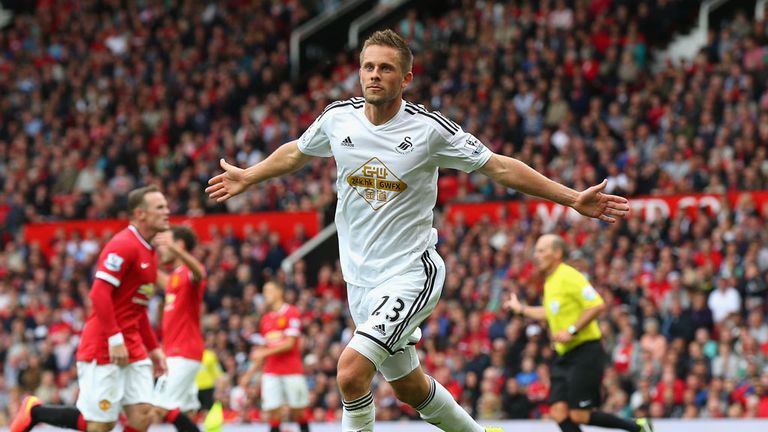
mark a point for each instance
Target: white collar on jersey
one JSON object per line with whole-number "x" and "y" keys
{"x": 282, "y": 308}
{"x": 394, "y": 118}
{"x": 138, "y": 235}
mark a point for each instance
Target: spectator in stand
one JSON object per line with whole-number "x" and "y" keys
{"x": 724, "y": 301}
{"x": 652, "y": 341}
{"x": 678, "y": 324}
{"x": 702, "y": 315}
{"x": 515, "y": 403}
{"x": 727, "y": 364}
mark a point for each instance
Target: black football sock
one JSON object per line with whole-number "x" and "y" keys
{"x": 62, "y": 416}
{"x": 568, "y": 425}
{"x": 182, "y": 421}
{"x": 606, "y": 420}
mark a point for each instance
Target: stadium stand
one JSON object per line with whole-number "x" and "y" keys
{"x": 99, "y": 99}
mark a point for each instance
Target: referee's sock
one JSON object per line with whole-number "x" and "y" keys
{"x": 603, "y": 419}
{"x": 61, "y": 416}
{"x": 442, "y": 411}
{"x": 358, "y": 415}
{"x": 303, "y": 424}
{"x": 274, "y": 426}
{"x": 182, "y": 421}
{"x": 568, "y": 425}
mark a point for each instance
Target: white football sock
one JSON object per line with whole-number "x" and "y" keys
{"x": 358, "y": 415}
{"x": 441, "y": 410}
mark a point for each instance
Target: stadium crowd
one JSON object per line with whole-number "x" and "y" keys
{"x": 100, "y": 99}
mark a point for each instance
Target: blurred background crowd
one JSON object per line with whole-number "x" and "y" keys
{"x": 104, "y": 96}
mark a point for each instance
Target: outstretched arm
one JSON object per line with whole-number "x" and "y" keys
{"x": 590, "y": 202}
{"x": 286, "y": 159}
{"x": 515, "y": 305}
{"x": 165, "y": 241}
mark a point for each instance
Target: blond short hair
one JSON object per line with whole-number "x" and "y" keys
{"x": 391, "y": 39}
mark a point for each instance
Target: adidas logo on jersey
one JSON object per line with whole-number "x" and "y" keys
{"x": 380, "y": 328}
{"x": 347, "y": 143}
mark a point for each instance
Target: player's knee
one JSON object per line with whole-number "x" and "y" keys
{"x": 158, "y": 414}
{"x": 141, "y": 418}
{"x": 100, "y": 427}
{"x": 559, "y": 412}
{"x": 579, "y": 416}
{"x": 141, "y": 423}
{"x": 354, "y": 375}
{"x": 298, "y": 414}
{"x": 351, "y": 384}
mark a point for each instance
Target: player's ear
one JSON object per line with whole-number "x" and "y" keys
{"x": 139, "y": 212}
{"x": 407, "y": 79}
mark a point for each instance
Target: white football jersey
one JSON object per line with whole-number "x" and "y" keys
{"x": 387, "y": 182}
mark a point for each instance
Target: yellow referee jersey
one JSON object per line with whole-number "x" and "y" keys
{"x": 210, "y": 370}
{"x": 567, "y": 293}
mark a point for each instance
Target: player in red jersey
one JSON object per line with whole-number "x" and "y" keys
{"x": 283, "y": 381}
{"x": 176, "y": 392}
{"x": 118, "y": 348}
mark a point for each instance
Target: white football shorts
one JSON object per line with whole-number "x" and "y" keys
{"x": 388, "y": 316}
{"x": 177, "y": 388}
{"x": 281, "y": 390}
{"x": 105, "y": 389}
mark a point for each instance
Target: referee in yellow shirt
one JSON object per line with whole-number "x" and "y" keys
{"x": 571, "y": 307}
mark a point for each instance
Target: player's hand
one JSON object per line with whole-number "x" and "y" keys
{"x": 227, "y": 184}
{"x": 562, "y": 336}
{"x": 594, "y": 203}
{"x": 163, "y": 239}
{"x": 514, "y": 304}
{"x": 158, "y": 361}
{"x": 257, "y": 355}
{"x": 118, "y": 354}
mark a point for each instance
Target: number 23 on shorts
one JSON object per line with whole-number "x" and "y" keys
{"x": 392, "y": 311}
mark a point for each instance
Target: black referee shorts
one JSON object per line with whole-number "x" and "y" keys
{"x": 577, "y": 375}
{"x": 206, "y": 398}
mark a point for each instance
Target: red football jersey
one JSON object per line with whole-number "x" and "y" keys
{"x": 182, "y": 336}
{"x": 275, "y": 327}
{"x": 129, "y": 263}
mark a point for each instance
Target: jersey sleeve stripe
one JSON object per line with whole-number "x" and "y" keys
{"x": 331, "y": 106}
{"x": 442, "y": 121}
{"x": 353, "y": 101}
{"x": 337, "y": 105}
{"x": 434, "y": 114}
{"x": 451, "y": 122}
{"x": 107, "y": 277}
{"x": 292, "y": 332}
{"x": 443, "y": 124}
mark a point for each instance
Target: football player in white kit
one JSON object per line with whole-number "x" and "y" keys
{"x": 387, "y": 153}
